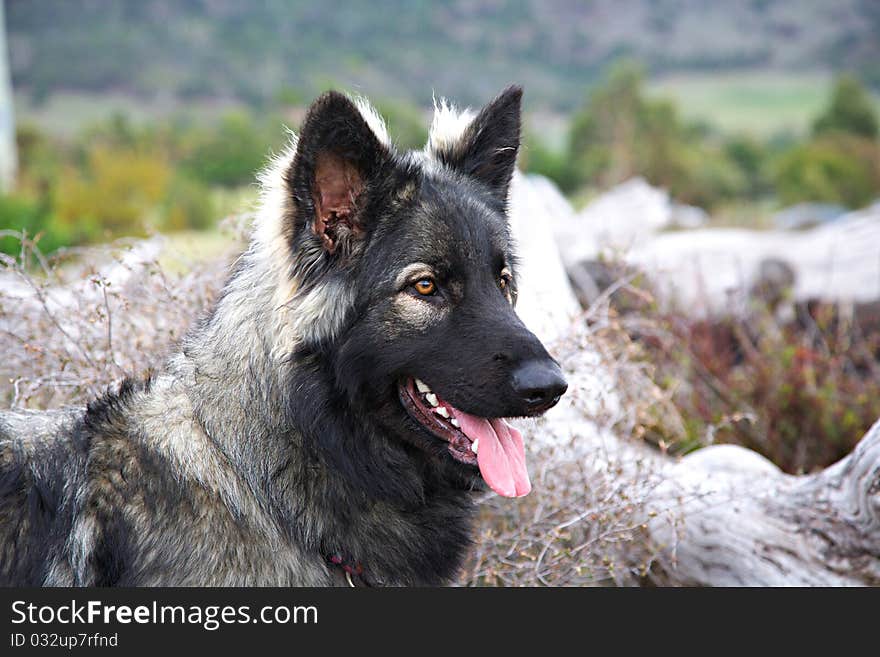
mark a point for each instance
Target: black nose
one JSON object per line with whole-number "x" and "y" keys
{"x": 539, "y": 384}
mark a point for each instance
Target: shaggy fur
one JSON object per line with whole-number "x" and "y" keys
{"x": 273, "y": 448}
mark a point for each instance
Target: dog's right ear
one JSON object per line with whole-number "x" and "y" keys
{"x": 486, "y": 148}
{"x": 342, "y": 147}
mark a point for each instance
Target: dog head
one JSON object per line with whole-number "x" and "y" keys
{"x": 403, "y": 282}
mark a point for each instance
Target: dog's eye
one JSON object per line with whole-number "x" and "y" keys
{"x": 505, "y": 279}
{"x": 425, "y": 286}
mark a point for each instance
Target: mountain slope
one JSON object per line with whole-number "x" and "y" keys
{"x": 248, "y": 51}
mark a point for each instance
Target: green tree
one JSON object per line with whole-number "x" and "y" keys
{"x": 751, "y": 157}
{"x": 405, "y": 123}
{"x": 850, "y": 111}
{"x": 604, "y": 132}
{"x": 621, "y": 133}
{"x": 229, "y": 153}
{"x": 536, "y": 156}
{"x": 841, "y": 163}
{"x": 18, "y": 213}
{"x": 837, "y": 168}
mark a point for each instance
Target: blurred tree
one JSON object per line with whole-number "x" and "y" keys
{"x": 837, "y": 168}
{"x": 406, "y": 124}
{"x": 750, "y": 156}
{"x": 850, "y": 111}
{"x": 841, "y": 163}
{"x": 114, "y": 196}
{"x": 621, "y": 133}
{"x": 39, "y": 158}
{"x": 603, "y": 133}
{"x": 187, "y": 204}
{"x": 230, "y": 153}
{"x": 116, "y": 131}
{"x": 288, "y": 96}
{"x": 21, "y": 214}
{"x": 537, "y": 157}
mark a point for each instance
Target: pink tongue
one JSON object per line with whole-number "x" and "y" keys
{"x": 501, "y": 454}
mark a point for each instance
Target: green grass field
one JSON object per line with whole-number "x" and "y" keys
{"x": 762, "y": 104}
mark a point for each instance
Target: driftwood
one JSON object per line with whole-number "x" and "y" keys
{"x": 724, "y": 515}
{"x": 713, "y": 270}
{"x": 744, "y": 522}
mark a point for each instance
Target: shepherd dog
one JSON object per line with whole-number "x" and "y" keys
{"x": 334, "y": 418}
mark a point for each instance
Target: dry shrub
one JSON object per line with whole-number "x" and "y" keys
{"x": 76, "y": 322}
{"x": 583, "y": 524}
{"x": 800, "y": 391}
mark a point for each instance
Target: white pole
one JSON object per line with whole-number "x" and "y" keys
{"x": 8, "y": 154}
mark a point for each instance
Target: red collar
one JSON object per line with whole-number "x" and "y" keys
{"x": 353, "y": 570}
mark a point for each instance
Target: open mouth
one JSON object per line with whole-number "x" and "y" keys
{"x": 489, "y": 443}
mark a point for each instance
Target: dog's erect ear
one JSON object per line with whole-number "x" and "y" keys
{"x": 341, "y": 148}
{"x": 488, "y": 146}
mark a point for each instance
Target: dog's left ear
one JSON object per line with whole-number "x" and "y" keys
{"x": 488, "y": 147}
{"x": 338, "y": 154}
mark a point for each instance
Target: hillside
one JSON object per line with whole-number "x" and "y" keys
{"x": 224, "y": 49}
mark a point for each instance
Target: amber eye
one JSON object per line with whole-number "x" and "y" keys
{"x": 505, "y": 279}
{"x": 425, "y": 287}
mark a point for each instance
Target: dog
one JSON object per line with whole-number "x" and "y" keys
{"x": 328, "y": 421}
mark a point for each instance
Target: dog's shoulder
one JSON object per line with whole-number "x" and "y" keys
{"x": 74, "y": 485}
{"x": 40, "y": 462}
{"x": 159, "y": 500}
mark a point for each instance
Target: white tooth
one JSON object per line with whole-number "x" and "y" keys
{"x": 432, "y": 398}
{"x": 454, "y": 423}
{"x": 420, "y": 385}
{"x": 474, "y": 445}
{"x": 442, "y": 411}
